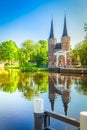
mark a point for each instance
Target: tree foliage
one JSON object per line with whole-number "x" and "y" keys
{"x": 85, "y": 29}
{"x": 41, "y": 57}
{"x": 83, "y": 53}
{"x": 33, "y": 53}
{"x": 28, "y": 54}
{"x": 8, "y": 51}
{"x": 30, "y": 84}
{"x": 79, "y": 53}
{"x": 25, "y": 53}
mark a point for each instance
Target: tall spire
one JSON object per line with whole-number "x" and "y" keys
{"x": 51, "y": 30}
{"x": 65, "y": 28}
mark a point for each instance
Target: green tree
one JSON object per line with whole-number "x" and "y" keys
{"x": 83, "y": 53}
{"x": 76, "y": 54}
{"x": 31, "y": 53}
{"x": 85, "y": 29}
{"x": 41, "y": 57}
{"x": 80, "y": 53}
{"x": 25, "y": 54}
{"x": 8, "y": 51}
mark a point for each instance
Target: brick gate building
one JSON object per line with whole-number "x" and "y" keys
{"x": 59, "y": 53}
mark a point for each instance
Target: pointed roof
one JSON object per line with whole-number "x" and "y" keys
{"x": 51, "y": 30}
{"x": 65, "y": 28}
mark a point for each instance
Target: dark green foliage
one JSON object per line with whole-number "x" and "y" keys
{"x": 41, "y": 57}
{"x": 79, "y": 53}
{"x": 29, "y": 55}
{"x": 32, "y": 54}
{"x": 85, "y": 29}
{"x": 8, "y": 51}
{"x": 25, "y": 54}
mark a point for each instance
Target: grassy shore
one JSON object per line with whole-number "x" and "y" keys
{"x": 28, "y": 68}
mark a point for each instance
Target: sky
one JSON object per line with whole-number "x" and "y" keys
{"x": 22, "y": 20}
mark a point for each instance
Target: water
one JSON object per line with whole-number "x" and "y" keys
{"x": 64, "y": 94}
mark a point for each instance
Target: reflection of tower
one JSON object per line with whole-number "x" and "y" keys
{"x": 64, "y": 83}
{"x": 52, "y": 91}
{"x": 66, "y": 100}
{"x": 52, "y": 96}
{"x": 59, "y": 84}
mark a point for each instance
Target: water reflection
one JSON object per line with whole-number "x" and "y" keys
{"x": 17, "y": 112}
{"x": 33, "y": 84}
{"x": 8, "y": 80}
{"x": 59, "y": 85}
{"x": 30, "y": 84}
{"x": 81, "y": 84}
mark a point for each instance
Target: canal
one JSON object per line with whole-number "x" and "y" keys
{"x": 64, "y": 94}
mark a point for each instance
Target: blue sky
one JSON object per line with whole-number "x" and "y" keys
{"x": 30, "y": 19}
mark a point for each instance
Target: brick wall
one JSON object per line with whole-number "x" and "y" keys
{"x": 51, "y": 48}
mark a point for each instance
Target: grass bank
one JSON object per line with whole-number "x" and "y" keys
{"x": 26, "y": 68}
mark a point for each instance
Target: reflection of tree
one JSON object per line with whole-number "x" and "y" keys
{"x": 81, "y": 85}
{"x": 9, "y": 80}
{"x": 31, "y": 84}
{"x": 41, "y": 80}
{"x": 26, "y": 85}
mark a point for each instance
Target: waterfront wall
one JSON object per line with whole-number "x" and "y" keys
{"x": 70, "y": 70}
{"x": 73, "y": 70}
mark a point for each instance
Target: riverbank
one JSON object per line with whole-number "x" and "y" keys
{"x": 34, "y": 68}
{"x": 31, "y": 68}
{"x": 72, "y": 70}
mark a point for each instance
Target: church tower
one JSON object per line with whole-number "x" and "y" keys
{"x": 65, "y": 39}
{"x": 51, "y": 47}
{"x": 65, "y": 42}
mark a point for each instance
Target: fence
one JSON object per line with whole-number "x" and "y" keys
{"x": 42, "y": 118}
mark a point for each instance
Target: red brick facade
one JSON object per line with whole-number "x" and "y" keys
{"x": 63, "y": 47}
